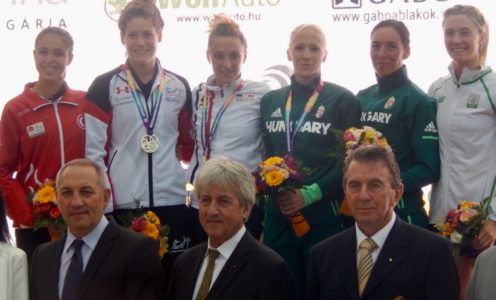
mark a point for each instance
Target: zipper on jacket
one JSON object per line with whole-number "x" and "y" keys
{"x": 112, "y": 159}
{"x": 60, "y": 130}
{"x": 151, "y": 203}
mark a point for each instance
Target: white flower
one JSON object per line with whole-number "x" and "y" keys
{"x": 456, "y": 237}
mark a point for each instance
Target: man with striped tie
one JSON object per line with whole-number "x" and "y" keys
{"x": 381, "y": 257}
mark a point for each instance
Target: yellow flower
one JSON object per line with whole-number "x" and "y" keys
{"x": 152, "y": 217}
{"x": 467, "y": 205}
{"x": 46, "y": 194}
{"x": 369, "y": 134}
{"x": 151, "y": 231}
{"x": 274, "y": 178}
{"x": 272, "y": 161}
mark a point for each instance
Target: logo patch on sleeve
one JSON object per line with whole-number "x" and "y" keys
{"x": 430, "y": 128}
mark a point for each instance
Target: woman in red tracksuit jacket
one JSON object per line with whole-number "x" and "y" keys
{"x": 40, "y": 130}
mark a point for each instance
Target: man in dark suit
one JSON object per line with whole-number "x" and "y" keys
{"x": 396, "y": 260}
{"x": 241, "y": 267}
{"x": 110, "y": 262}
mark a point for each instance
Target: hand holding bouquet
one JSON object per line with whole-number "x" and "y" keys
{"x": 46, "y": 211}
{"x": 277, "y": 176}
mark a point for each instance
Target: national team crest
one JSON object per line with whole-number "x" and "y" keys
{"x": 320, "y": 112}
{"x": 35, "y": 129}
{"x": 389, "y": 102}
{"x": 473, "y": 101}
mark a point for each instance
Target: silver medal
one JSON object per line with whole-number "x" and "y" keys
{"x": 149, "y": 143}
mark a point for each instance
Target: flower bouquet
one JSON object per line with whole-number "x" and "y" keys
{"x": 148, "y": 223}
{"x": 463, "y": 224}
{"x": 357, "y": 137}
{"x": 277, "y": 175}
{"x": 353, "y": 138}
{"x": 46, "y": 211}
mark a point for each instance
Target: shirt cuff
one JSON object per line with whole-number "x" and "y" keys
{"x": 311, "y": 194}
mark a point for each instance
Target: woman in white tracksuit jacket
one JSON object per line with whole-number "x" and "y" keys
{"x": 226, "y": 109}
{"x": 466, "y": 119}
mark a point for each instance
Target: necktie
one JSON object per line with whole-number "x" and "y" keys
{"x": 365, "y": 263}
{"x": 207, "y": 277}
{"x": 73, "y": 276}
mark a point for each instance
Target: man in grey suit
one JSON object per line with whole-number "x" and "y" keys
{"x": 481, "y": 285}
{"x": 95, "y": 259}
{"x": 232, "y": 264}
{"x": 381, "y": 257}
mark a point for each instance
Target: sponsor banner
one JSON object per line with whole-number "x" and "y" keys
{"x": 266, "y": 23}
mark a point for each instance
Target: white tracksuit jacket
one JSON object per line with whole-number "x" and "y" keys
{"x": 466, "y": 119}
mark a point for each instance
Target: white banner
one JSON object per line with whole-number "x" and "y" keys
{"x": 266, "y": 24}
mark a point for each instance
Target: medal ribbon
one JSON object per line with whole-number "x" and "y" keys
{"x": 207, "y": 131}
{"x": 290, "y": 134}
{"x": 148, "y": 122}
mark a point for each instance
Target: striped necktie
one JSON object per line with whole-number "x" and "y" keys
{"x": 365, "y": 263}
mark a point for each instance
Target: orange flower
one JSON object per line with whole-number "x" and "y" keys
{"x": 45, "y": 194}
{"x": 274, "y": 178}
{"x": 162, "y": 247}
{"x": 151, "y": 230}
{"x": 275, "y": 160}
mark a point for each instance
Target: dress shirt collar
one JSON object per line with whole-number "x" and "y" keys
{"x": 91, "y": 239}
{"x": 380, "y": 236}
{"x": 227, "y": 248}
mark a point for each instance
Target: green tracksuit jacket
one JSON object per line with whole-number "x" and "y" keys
{"x": 406, "y": 116}
{"x": 336, "y": 108}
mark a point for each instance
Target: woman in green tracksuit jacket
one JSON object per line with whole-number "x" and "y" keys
{"x": 405, "y": 115}
{"x": 335, "y": 108}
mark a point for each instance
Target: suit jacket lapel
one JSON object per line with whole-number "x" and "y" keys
{"x": 347, "y": 265}
{"x": 392, "y": 254}
{"x": 233, "y": 266}
{"x": 102, "y": 249}
{"x": 54, "y": 269}
{"x": 190, "y": 278}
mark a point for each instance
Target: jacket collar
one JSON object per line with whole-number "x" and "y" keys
{"x": 305, "y": 87}
{"x": 35, "y": 102}
{"x": 468, "y": 76}
{"x": 393, "y": 81}
{"x": 230, "y": 86}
